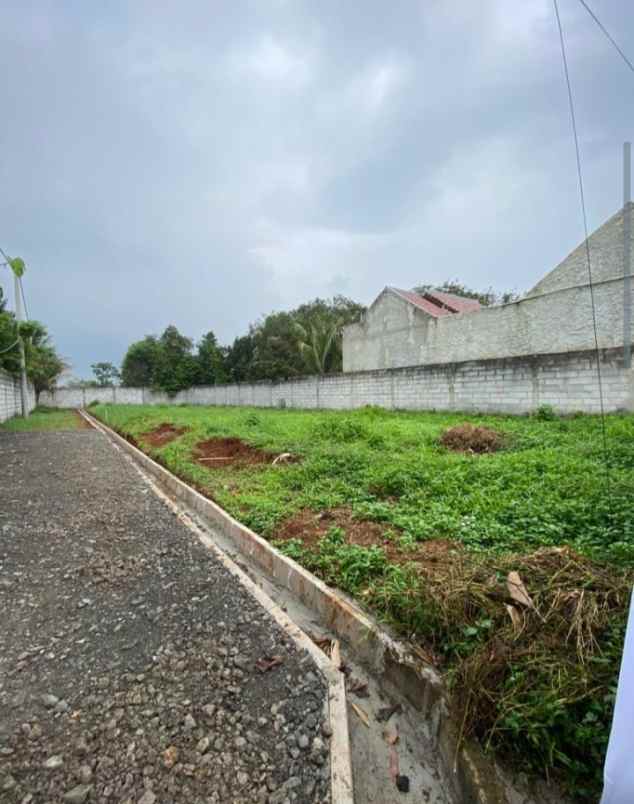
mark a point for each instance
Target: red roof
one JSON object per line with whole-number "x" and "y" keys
{"x": 437, "y": 303}
{"x": 457, "y": 304}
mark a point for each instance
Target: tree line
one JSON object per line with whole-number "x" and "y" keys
{"x": 282, "y": 345}
{"x": 306, "y": 340}
{"x": 43, "y": 364}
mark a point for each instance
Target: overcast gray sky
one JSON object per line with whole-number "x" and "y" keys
{"x": 204, "y": 163}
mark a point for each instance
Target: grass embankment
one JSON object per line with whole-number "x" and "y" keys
{"x": 45, "y": 419}
{"x": 426, "y": 537}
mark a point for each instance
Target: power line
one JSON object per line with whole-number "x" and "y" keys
{"x": 15, "y": 343}
{"x": 573, "y": 120}
{"x": 607, "y": 34}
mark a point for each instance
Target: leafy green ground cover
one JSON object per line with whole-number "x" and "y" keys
{"x": 537, "y": 685}
{"x": 44, "y": 419}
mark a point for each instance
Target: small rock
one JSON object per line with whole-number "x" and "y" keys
{"x": 402, "y": 784}
{"x": 147, "y": 798}
{"x": 78, "y": 794}
{"x": 303, "y": 742}
{"x": 326, "y": 729}
{"x": 170, "y": 755}
{"x": 203, "y": 745}
{"x": 54, "y": 762}
{"x": 189, "y": 723}
{"x": 61, "y": 706}
{"x": 50, "y": 701}
{"x": 85, "y": 774}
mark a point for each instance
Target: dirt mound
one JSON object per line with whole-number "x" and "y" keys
{"x": 163, "y": 434}
{"x": 468, "y": 438}
{"x": 219, "y": 452}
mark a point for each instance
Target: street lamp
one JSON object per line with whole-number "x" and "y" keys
{"x": 16, "y": 264}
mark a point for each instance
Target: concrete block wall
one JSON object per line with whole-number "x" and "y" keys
{"x": 10, "y": 399}
{"x": 395, "y": 334}
{"x": 567, "y": 381}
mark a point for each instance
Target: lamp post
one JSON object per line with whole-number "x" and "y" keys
{"x": 16, "y": 264}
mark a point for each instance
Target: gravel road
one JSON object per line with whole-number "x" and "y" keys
{"x": 133, "y": 667}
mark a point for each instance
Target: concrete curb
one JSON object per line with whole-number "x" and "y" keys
{"x": 341, "y": 786}
{"x": 399, "y": 671}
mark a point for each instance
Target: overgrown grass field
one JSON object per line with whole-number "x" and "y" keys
{"x": 426, "y": 536}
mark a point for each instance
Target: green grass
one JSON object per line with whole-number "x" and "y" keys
{"x": 43, "y": 419}
{"x": 547, "y": 489}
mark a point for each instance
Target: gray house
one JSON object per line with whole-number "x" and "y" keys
{"x": 404, "y": 328}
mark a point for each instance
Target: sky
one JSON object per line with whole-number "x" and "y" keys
{"x": 205, "y": 163}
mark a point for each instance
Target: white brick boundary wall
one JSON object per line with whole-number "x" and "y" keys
{"x": 10, "y": 401}
{"x": 566, "y": 381}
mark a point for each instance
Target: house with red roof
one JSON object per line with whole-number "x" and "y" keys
{"x": 573, "y": 308}
{"x": 396, "y": 325}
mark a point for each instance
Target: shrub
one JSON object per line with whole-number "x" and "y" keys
{"x": 545, "y": 413}
{"x": 341, "y": 429}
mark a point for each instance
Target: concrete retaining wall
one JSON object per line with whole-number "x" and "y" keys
{"x": 566, "y": 381}
{"x": 10, "y": 401}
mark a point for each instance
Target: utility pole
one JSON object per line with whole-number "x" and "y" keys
{"x": 627, "y": 255}
{"x": 19, "y": 314}
{"x": 17, "y": 266}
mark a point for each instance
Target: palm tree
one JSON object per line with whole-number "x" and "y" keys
{"x": 316, "y": 341}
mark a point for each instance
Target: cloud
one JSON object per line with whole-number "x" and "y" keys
{"x": 271, "y": 61}
{"x": 204, "y": 164}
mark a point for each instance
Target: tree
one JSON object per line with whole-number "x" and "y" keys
{"x": 239, "y": 359}
{"x": 303, "y": 340}
{"x": 321, "y": 324}
{"x": 485, "y": 297}
{"x": 43, "y": 364}
{"x": 44, "y": 369}
{"x": 210, "y": 360}
{"x": 140, "y": 363}
{"x": 316, "y": 342}
{"x": 176, "y": 366}
{"x": 106, "y": 374}
{"x": 9, "y": 351}
{"x": 275, "y": 354}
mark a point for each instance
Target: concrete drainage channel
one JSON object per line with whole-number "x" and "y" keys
{"x": 424, "y": 755}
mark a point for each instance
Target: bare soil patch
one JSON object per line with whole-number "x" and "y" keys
{"x": 468, "y": 438}
{"x": 432, "y": 557}
{"x": 217, "y": 453}
{"x": 82, "y": 424}
{"x": 163, "y": 434}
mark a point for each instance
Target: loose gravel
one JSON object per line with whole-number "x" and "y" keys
{"x": 133, "y": 667}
